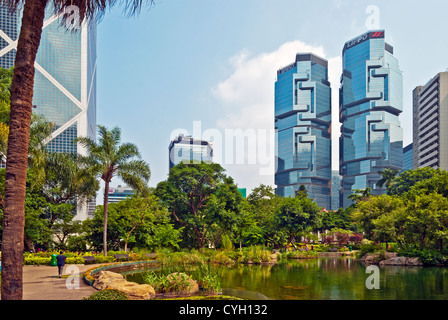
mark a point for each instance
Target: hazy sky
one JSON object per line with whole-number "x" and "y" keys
{"x": 215, "y": 62}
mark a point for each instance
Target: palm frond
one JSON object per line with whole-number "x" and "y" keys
{"x": 94, "y": 10}
{"x": 135, "y": 173}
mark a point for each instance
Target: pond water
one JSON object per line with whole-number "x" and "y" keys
{"x": 330, "y": 279}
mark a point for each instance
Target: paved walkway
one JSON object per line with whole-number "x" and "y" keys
{"x": 43, "y": 283}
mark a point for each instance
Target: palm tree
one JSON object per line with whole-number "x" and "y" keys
{"x": 387, "y": 176}
{"x": 359, "y": 195}
{"x": 33, "y": 15}
{"x": 109, "y": 159}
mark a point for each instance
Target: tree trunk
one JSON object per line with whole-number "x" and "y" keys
{"x": 105, "y": 207}
{"x": 17, "y": 155}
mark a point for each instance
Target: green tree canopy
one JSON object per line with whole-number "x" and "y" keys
{"x": 199, "y": 197}
{"x": 297, "y": 215}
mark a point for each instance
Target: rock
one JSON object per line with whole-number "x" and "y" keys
{"x": 112, "y": 280}
{"x": 181, "y": 283}
{"x": 105, "y": 278}
{"x": 413, "y": 262}
{"x": 395, "y": 261}
{"x": 134, "y": 290}
{"x": 401, "y": 261}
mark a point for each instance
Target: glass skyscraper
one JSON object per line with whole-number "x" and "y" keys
{"x": 303, "y": 129}
{"x": 371, "y": 100}
{"x": 65, "y": 78}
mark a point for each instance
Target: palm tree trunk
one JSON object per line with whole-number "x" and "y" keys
{"x": 105, "y": 207}
{"x": 17, "y": 155}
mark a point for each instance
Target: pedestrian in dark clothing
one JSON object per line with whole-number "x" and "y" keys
{"x": 61, "y": 263}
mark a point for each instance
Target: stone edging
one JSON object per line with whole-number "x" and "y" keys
{"x": 88, "y": 275}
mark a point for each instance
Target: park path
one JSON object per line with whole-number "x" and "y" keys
{"x": 43, "y": 283}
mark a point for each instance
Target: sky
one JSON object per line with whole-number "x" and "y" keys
{"x": 208, "y": 68}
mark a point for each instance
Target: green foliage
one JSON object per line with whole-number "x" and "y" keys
{"x": 297, "y": 215}
{"x": 202, "y": 199}
{"x": 368, "y": 248}
{"x": 420, "y": 181}
{"x": 177, "y": 277}
{"x": 108, "y": 294}
{"x": 303, "y": 255}
{"x": 226, "y": 243}
{"x": 426, "y": 256}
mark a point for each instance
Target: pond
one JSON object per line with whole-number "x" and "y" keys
{"x": 330, "y": 279}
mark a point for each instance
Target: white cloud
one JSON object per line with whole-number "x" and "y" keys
{"x": 246, "y": 99}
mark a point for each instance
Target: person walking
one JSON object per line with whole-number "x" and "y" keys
{"x": 61, "y": 263}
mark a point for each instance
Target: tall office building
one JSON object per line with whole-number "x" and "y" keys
{"x": 65, "y": 79}
{"x": 371, "y": 100}
{"x": 303, "y": 129}
{"x": 186, "y": 149}
{"x": 430, "y": 113}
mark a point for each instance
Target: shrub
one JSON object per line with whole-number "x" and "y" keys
{"x": 108, "y": 294}
{"x": 369, "y": 248}
{"x": 303, "y": 255}
{"x": 221, "y": 258}
{"x": 226, "y": 242}
{"x": 427, "y": 257}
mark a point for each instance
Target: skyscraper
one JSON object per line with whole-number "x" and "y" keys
{"x": 186, "y": 149}
{"x": 65, "y": 79}
{"x": 371, "y": 100}
{"x": 303, "y": 129}
{"x": 431, "y": 123}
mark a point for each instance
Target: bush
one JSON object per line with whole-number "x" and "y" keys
{"x": 108, "y": 294}
{"x": 427, "y": 257}
{"x": 226, "y": 242}
{"x": 302, "y": 255}
{"x": 368, "y": 248}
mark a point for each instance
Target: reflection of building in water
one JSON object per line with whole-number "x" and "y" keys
{"x": 371, "y": 100}
{"x": 302, "y": 123}
{"x": 185, "y": 149}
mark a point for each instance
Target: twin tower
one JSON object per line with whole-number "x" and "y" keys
{"x": 370, "y": 102}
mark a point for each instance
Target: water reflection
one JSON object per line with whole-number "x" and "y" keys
{"x": 331, "y": 279}
{"x": 334, "y": 279}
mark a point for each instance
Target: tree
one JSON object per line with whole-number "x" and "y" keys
{"x": 68, "y": 181}
{"x": 387, "y": 177}
{"x": 139, "y": 220}
{"x": 20, "y": 120}
{"x": 377, "y": 217}
{"x": 403, "y": 183}
{"x": 425, "y": 223}
{"x": 264, "y": 204}
{"x": 5, "y": 86}
{"x": 360, "y": 195}
{"x": 297, "y": 215}
{"x": 108, "y": 159}
{"x": 200, "y": 197}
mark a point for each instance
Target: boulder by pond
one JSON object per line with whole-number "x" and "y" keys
{"x": 390, "y": 259}
{"x": 112, "y": 280}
